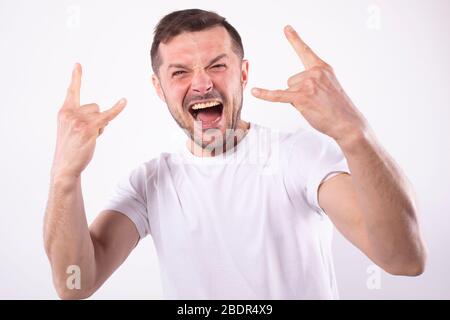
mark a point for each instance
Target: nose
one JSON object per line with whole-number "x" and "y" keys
{"x": 201, "y": 83}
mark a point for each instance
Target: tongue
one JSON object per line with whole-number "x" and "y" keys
{"x": 208, "y": 114}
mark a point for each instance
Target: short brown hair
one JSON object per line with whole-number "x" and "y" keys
{"x": 190, "y": 20}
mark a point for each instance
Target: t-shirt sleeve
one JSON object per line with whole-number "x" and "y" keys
{"x": 313, "y": 159}
{"x": 130, "y": 198}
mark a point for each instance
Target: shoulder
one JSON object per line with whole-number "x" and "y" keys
{"x": 302, "y": 142}
{"x": 309, "y": 150}
{"x": 305, "y": 142}
{"x": 154, "y": 168}
{"x": 281, "y": 137}
{"x": 146, "y": 170}
{"x": 300, "y": 136}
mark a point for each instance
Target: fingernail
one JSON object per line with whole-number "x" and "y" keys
{"x": 122, "y": 101}
{"x": 289, "y": 28}
{"x": 255, "y": 91}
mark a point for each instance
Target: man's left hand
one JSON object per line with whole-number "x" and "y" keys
{"x": 317, "y": 94}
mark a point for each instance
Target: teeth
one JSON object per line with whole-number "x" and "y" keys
{"x": 205, "y": 105}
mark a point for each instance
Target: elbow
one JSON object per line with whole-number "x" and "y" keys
{"x": 410, "y": 266}
{"x": 73, "y": 294}
{"x": 68, "y": 295}
{"x": 414, "y": 269}
{"x": 409, "y": 259}
{"x": 66, "y": 292}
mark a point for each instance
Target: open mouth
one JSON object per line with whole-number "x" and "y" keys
{"x": 208, "y": 112}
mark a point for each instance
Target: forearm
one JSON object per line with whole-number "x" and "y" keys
{"x": 387, "y": 202}
{"x": 66, "y": 236}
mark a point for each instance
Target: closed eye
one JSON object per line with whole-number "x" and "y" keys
{"x": 178, "y": 72}
{"x": 218, "y": 66}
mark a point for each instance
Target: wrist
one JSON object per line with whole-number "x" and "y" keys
{"x": 355, "y": 140}
{"x": 64, "y": 177}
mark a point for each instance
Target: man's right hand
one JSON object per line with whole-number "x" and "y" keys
{"x": 78, "y": 129}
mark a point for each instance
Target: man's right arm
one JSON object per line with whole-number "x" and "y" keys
{"x": 97, "y": 251}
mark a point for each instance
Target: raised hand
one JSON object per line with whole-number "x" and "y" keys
{"x": 78, "y": 129}
{"x": 317, "y": 94}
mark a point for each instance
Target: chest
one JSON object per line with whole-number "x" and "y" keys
{"x": 223, "y": 206}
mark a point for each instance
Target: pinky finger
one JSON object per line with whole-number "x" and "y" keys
{"x": 114, "y": 111}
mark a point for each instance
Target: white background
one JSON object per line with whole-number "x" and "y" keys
{"x": 392, "y": 57}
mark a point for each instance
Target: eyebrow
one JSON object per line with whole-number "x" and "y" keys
{"x": 182, "y": 66}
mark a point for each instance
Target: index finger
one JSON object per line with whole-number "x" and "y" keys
{"x": 306, "y": 55}
{"x": 274, "y": 95}
{"x": 73, "y": 92}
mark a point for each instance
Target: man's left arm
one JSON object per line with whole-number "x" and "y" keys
{"x": 374, "y": 207}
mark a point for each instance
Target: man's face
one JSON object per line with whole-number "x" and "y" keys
{"x": 201, "y": 79}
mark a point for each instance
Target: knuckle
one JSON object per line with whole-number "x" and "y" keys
{"x": 79, "y": 124}
{"x": 63, "y": 114}
{"x": 318, "y": 72}
{"x": 295, "y": 79}
{"x": 309, "y": 83}
{"x": 295, "y": 87}
{"x": 91, "y": 108}
{"x": 83, "y": 126}
{"x": 310, "y": 86}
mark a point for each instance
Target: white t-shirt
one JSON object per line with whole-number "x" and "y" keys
{"x": 242, "y": 225}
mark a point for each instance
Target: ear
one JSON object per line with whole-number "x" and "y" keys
{"x": 158, "y": 87}
{"x": 244, "y": 73}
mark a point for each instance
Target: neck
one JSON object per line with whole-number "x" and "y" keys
{"x": 240, "y": 132}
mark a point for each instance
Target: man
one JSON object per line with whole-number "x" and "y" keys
{"x": 240, "y": 212}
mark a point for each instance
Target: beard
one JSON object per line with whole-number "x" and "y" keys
{"x": 215, "y": 140}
